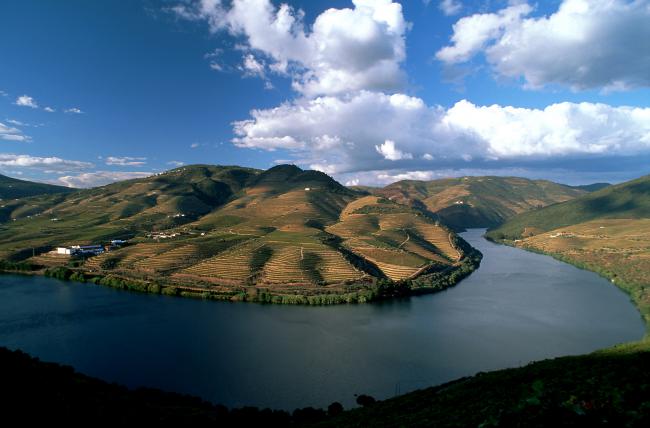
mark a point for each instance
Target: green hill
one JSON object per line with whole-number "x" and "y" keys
{"x": 11, "y": 188}
{"x": 283, "y": 235}
{"x": 478, "y": 201}
{"x": 627, "y": 200}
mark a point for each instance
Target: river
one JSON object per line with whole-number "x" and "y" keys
{"x": 516, "y": 308}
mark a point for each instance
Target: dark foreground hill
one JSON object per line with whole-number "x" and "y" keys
{"x": 609, "y": 388}
{"x": 283, "y": 235}
{"x": 11, "y": 188}
{"x": 468, "y": 202}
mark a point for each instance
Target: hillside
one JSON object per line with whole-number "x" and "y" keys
{"x": 608, "y": 388}
{"x": 627, "y": 200}
{"x": 606, "y": 231}
{"x": 11, "y": 188}
{"x": 283, "y": 235}
{"x": 478, "y": 201}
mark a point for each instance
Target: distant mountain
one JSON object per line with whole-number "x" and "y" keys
{"x": 592, "y": 187}
{"x": 284, "y": 234}
{"x": 11, "y": 188}
{"x": 478, "y": 201}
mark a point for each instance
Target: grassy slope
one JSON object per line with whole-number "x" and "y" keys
{"x": 11, "y": 188}
{"x": 626, "y": 200}
{"x": 479, "y": 201}
{"x": 240, "y": 234}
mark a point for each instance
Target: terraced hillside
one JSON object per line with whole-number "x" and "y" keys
{"x": 480, "y": 201}
{"x": 229, "y": 232}
{"x": 607, "y": 231}
{"x": 400, "y": 241}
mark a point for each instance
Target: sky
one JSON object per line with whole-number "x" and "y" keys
{"x": 368, "y": 91}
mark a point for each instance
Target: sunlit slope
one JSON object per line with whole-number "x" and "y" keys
{"x": 399, "y": 240}
{"x": 629, "y": 200}
{"x": 123, "y": 209}
{"x": 478, "y": 201}
{"x": 234, "y": 230}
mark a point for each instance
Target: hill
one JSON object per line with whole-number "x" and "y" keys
{"x": 12, "y": 188}
{"x": 606, "y": 231}
{"x": 627, "y": 200}
{"x": 283, "y": 235}
{"x": 478, "y": 201}
{"x": 608, "y": 388}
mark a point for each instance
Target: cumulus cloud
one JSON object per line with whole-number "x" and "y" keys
{"x": 583, "y": 45}
{"x": 9, "y": 133}
{"x": 390, "y": 152}
{"x": 450, "y": 7}
{"x": 26, "y": 101}
{"x": 125, "y": 161}
{"x": 373, "y": 131}
{"x": 100, "y": 178}
{"x": 45, "y": 163}
{"x": 345, "y": 49}
{"x": 73, "y": 110}
{"x": 49, "y": 109}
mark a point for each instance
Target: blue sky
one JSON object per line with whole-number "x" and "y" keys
{"x": 368, "y": 91}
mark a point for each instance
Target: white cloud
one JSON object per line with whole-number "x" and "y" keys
{"x": 49, "y": 109}
{"x": 73, "y": 110}
{"x": 345, "y": 49}
{"x": 253, "y": 67}
{"x": 26, "y": 101}
{"x": 48, "y": 163}
{"x": 3, "y": 94}
{"x": 176, "y": 163}
{"x": 194, "y": 145}
{"x": 450, "y": 7}
{"x": 390, "y": 152}
{"x": 348, "y": 134}
{"x": 583, "y": 45}
{"x": 100, "y": 178}
{"x": 125, "y": 161}
{"x": 15, "y": 122}
{"x": 9, "y": 133}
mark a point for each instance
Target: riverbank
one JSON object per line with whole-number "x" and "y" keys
{"x": 639, "y": 292}
{"x": 612, "y": 371}
{"x": 427, "y": 282}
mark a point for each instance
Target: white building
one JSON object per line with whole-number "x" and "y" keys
{"x": 64, "y": 250}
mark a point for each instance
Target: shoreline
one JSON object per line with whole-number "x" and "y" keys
{"x": 626, "y": 287}
{"x": 377, "y": 290}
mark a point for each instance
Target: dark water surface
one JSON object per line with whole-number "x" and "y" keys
{"x": 517, "y": 307}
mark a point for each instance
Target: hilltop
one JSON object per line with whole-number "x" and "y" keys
{"x": 468, "y": 202}
{"x": 606, "y": 231}
{"x": 284, "y": 235}
{"x": 12, "y": 188}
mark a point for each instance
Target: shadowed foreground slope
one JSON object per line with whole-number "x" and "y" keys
{"x": 609, "y": 388}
